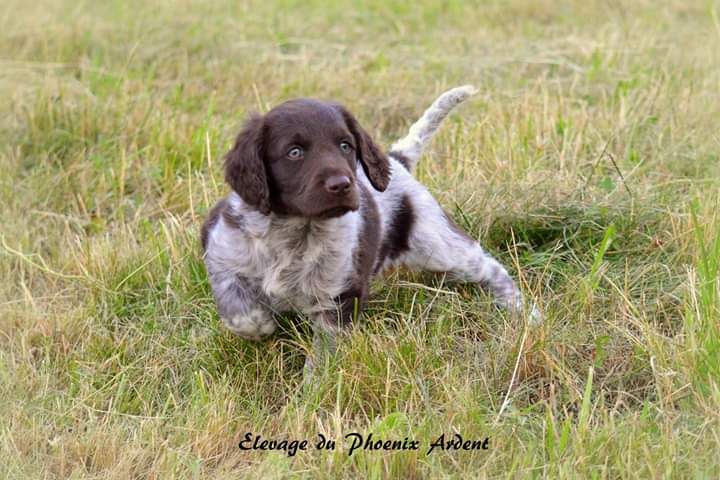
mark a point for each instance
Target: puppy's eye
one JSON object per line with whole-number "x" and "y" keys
{"x": 295, "y": 153}
{"x": 346, "y": 147}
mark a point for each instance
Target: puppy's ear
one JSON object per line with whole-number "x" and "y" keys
{"x": 373, "y": 160}
{"x": 244, "y": 166}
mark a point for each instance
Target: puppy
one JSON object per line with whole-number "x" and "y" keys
{"x": 317, "y": 209}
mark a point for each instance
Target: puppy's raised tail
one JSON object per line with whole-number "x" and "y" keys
{"x": 407, "y": 150}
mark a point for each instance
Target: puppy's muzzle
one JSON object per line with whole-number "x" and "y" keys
{"x": 338, "y": 184}
{"x": 339, "y": 194}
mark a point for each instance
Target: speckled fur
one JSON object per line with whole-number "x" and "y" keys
{"x": 278, "y": 264}
{"x": 260, "y": 263}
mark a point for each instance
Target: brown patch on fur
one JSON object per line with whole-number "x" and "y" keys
{"x": 368, "y": 248}
{"x": 366, "y": 255}
{"x": 398, "y": 235}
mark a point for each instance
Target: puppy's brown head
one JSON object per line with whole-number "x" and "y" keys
{"x": 300, "y": 159}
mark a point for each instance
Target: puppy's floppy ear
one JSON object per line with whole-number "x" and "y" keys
{"x": 372, "y": 158}
{"x": 244, "y": 166}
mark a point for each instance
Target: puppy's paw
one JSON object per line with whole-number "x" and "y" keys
{"x": 519, "y": 307}
{"x": 253, "y": 325}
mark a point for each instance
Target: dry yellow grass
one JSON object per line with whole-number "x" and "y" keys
{"x": 589, "y": 162}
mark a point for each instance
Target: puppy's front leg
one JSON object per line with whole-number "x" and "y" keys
{"x": 329, "y": 326}
{"x": 242, "y": 307}
{"x": 325, "y": 336}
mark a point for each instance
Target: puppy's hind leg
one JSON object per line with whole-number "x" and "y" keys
{"x": 437, "y": 244}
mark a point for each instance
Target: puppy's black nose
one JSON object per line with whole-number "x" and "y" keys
{"x": 337, "y": 184}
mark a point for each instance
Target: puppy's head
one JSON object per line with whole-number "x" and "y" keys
{"x": 300, "y": 159}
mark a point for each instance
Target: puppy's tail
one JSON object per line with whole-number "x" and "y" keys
{"x": 407, "y": 150}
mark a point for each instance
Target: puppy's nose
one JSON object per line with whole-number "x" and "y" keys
{"x": 337, "y": 184}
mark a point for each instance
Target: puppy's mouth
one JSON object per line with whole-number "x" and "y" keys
{"x": 322, "y": 206}
{"x": 338, "y": 211}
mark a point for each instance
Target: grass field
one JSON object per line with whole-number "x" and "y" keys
{"x": 588, "y": 162}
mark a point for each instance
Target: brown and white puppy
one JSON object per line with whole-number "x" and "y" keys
{"x": 317, "y": 209}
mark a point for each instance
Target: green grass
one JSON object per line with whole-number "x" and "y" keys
{"x": 588, "y": 163}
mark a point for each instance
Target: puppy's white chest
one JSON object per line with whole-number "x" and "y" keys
{"x": 307, "y": 266}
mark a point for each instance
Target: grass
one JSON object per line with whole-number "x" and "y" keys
{"x": 588, "y": 162}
